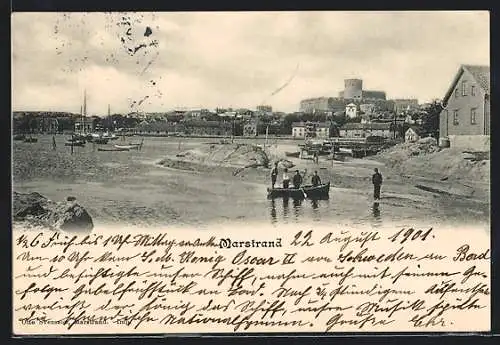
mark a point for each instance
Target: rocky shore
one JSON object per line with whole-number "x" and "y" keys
{"x": 448, "y": 171}
{"x": 35, "y": 210}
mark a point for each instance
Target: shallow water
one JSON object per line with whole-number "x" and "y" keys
{"x": 130, "y": 188}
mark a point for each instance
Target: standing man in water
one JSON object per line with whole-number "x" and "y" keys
{"x": 377, "y": 183}
{"x": 274, "y": 174}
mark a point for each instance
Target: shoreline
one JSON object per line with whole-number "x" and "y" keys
{"x": 155, "y": 186}
{"x": 338, "y": 175}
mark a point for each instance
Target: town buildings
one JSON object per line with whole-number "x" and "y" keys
{"x": 85, "y": 124}
{"x": 363, "y": 130}
{"x": 208, "y": 128}
{"x": 465, "y": 118}
{"x": 265, "y": 108}
{"x": 311, "y": 129}
{"x": 250, "y": 128}
{"x": 353, "y": 93}
{"x": 404, "y": 105}
{"x": 321, "y": 104}
{"x": 367, "y": 108}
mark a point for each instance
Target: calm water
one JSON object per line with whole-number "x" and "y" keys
{"x": 129, "y": 187}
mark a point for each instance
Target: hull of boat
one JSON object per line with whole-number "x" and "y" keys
{"x": 111, "y": 149}
{"x": 128, "y": 147}
{"x": 100, "y": 140}
{"x": 319, "y": 192}
{"x": 292, "y": 154}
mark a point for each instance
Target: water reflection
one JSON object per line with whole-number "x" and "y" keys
{"x": 273, "y": 211}
{"x": 377, "y": 220}
{"x": 285, "y": 207}
{"x": 376, "y": 210}
{"x": 319, "y": 209}
{"x": 297, "y": 203}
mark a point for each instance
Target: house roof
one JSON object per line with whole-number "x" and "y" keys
{"x": 416, "y": 129}
{"x": 481, "y": 75}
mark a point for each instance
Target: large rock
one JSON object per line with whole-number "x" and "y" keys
{"x": 32, "y": 204}
{"x": 70, "y": 216}
{"x": 67, "y": 215}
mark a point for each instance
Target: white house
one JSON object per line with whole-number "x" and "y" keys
{"x": 351, "y": 110}
{"x": 299, "y": 130}
{"x": 412, "y": 134}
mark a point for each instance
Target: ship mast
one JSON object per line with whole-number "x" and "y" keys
{"x": 84, "y": 113}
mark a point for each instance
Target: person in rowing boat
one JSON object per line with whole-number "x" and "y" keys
{"x": 274, "y": 175}
{"x": 286, "y": 178}
{"x": 377, "y": 182}
{"x": 316, "y": 180}
{"x": 297, "y": 180}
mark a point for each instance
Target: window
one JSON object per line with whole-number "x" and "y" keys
{"x": 473, "y": 116}
{"x": 473, "y": 90}
{"x": 464, "y": 88}
{"x": 456, "y": 92}
{"x": 455, "y": 117}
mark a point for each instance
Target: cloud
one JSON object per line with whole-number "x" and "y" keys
{"x": 236, "y": 58}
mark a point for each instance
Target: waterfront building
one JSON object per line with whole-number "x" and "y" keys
{"x": 465, "y": 118}
{"x": 311, "y": 129}
{"x": 363, "y": 130}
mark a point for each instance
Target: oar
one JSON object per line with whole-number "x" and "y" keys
{"x": 303, "y": 192}
{"x": 302, "y": 188}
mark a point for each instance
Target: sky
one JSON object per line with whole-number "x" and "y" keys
{"x": 154, "y": 62}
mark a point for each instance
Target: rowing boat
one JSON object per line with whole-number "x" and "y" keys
{"x": 311, "y": 192}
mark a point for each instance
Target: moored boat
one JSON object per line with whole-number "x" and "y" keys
{"x": 111, "y": 149}
{"x": 321, "y": 191}
{"x": 80, "y": 143}
{"x": 30, "y": 139}
{"x": 292, "y": 154}
{"x": 19, "y": 137}
{"x": 77, "y": 138}
{"x": 128, "y": 147}
{"x": 100, "y": 140}
{"x": 110, "y": 136}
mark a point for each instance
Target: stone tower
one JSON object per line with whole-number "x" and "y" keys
{"x": 353, "y": 89}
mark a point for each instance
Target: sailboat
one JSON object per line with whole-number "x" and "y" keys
{"x": 79, "y": 139}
